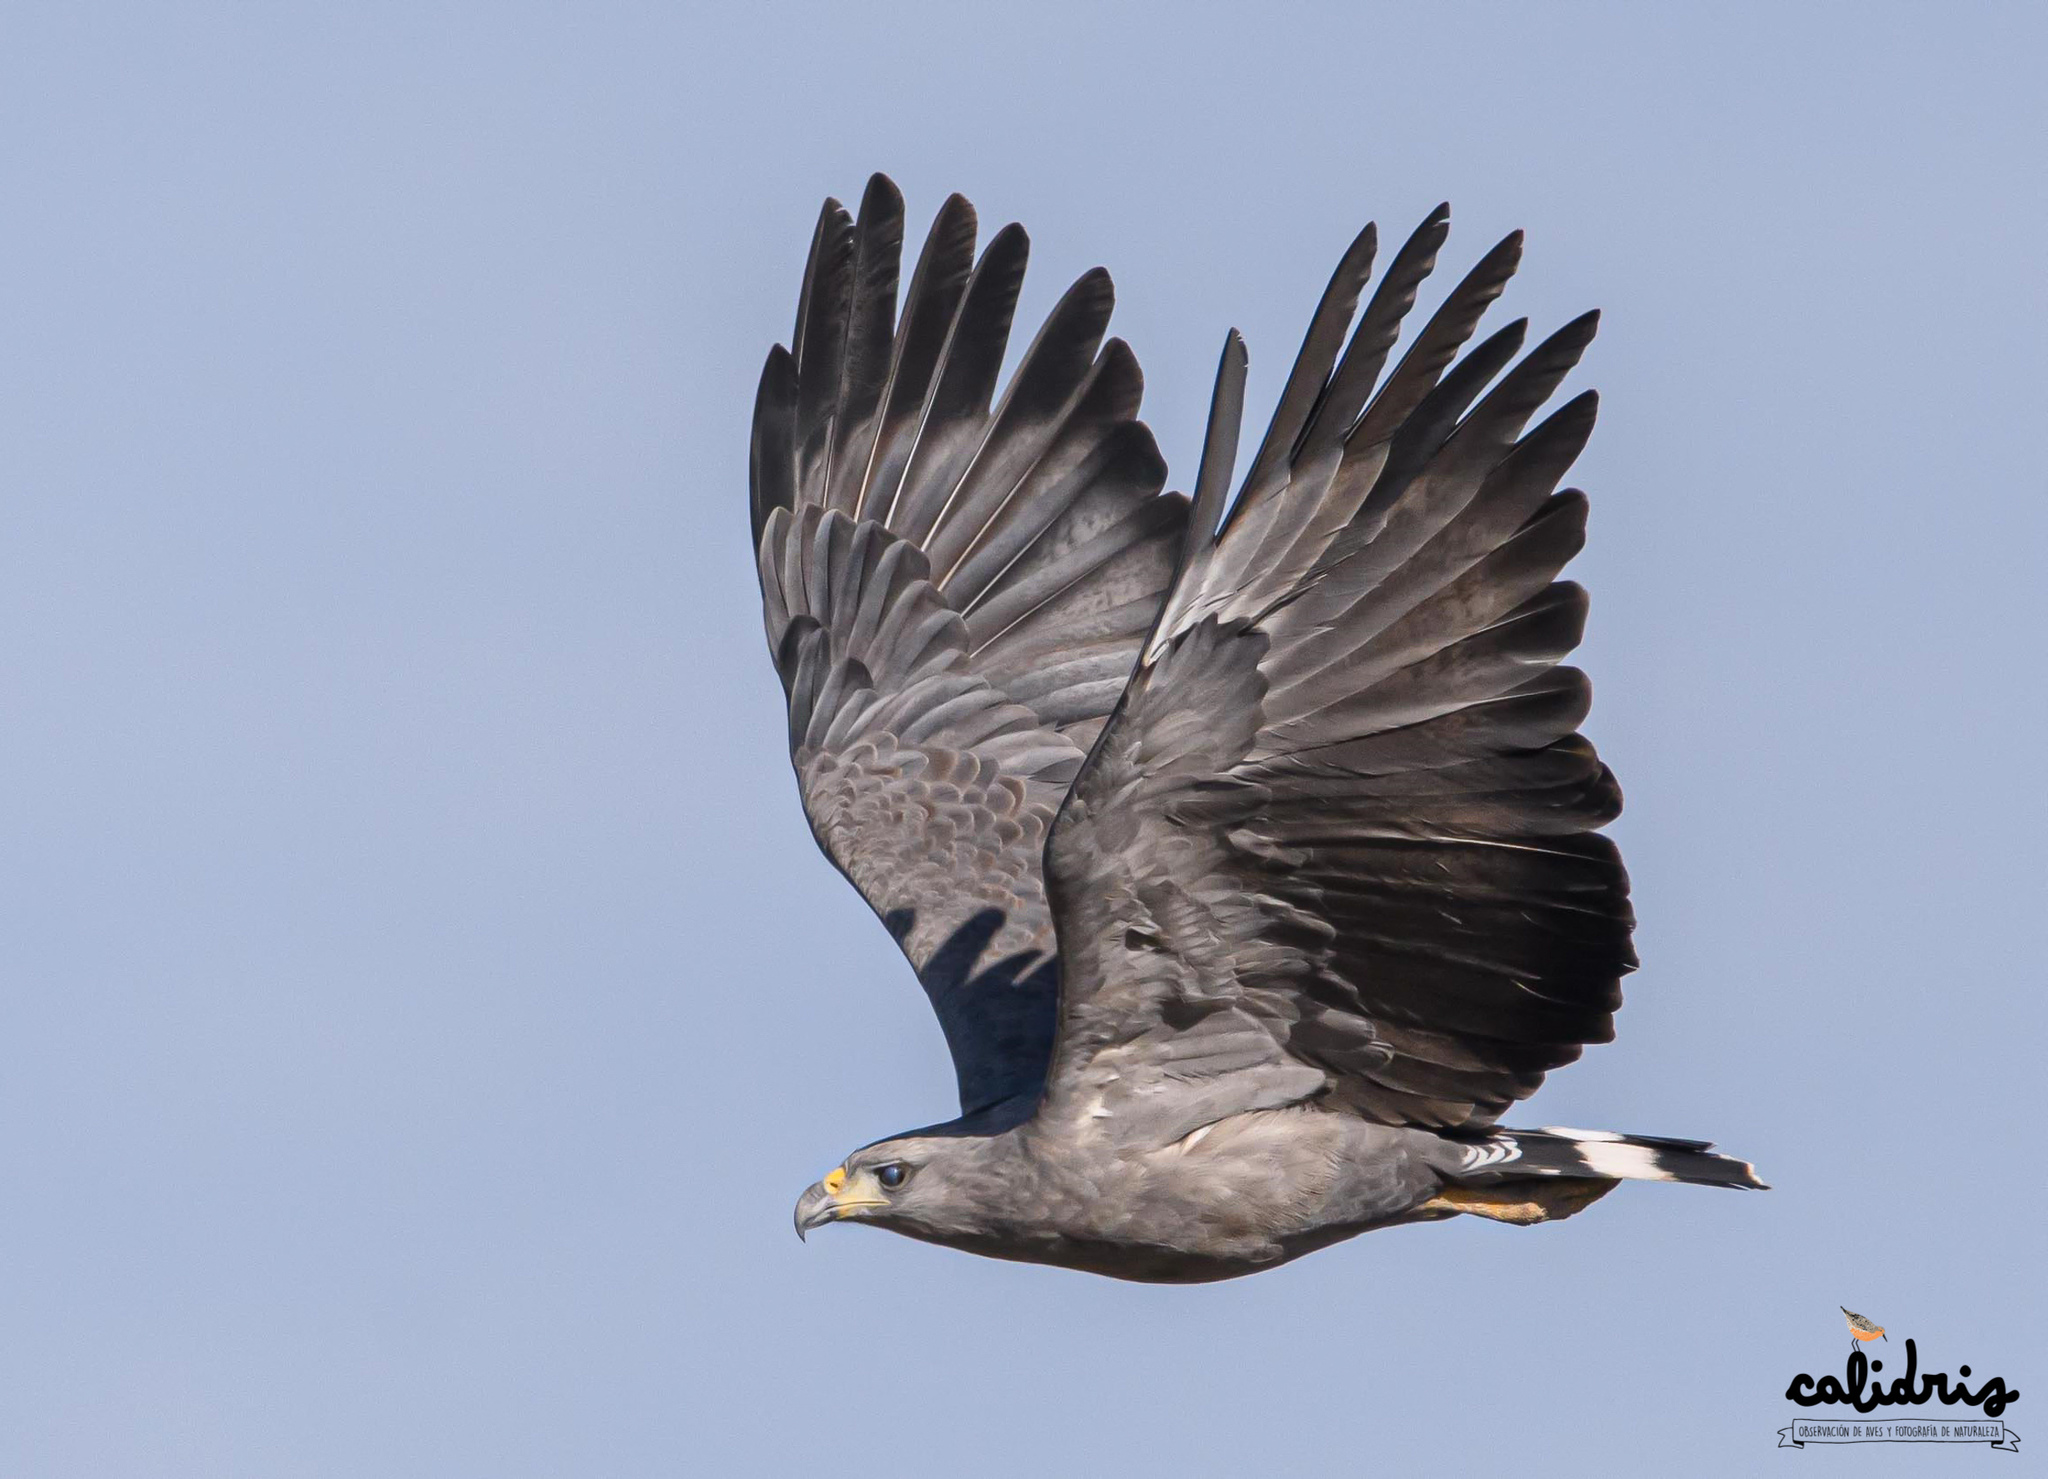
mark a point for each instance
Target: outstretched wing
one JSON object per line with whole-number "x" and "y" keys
{"x": 1339, "y": 839}
{"x": 955, "y": 596}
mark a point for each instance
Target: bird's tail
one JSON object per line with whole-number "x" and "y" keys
{"x": 1525, "y": 1176}
{"x": 1602, "y": 1154}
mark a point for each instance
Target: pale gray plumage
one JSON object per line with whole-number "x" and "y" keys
{"x": 1250, "y": 861}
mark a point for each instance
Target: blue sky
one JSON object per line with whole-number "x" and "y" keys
{"x": 422, "y": 999}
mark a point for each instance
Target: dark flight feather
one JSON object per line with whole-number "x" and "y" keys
{"x": 1307, "y": 381}
{"x": 1342, "y": 796}
{"x": 1219, "y": 448}
{"x": 1332, "y": 835}
{"x": 954, "y": 596}
{"x": 866, "y": 361}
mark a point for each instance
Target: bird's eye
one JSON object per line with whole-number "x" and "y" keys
{"x": 892, "y": 1175}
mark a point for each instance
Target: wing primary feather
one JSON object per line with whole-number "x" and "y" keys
{"x": 929, "y": 304}
{"x": 772, "y": 465}
{"x": 824, "y": 235}
{"x": 871, "y": 317}
{"x": 1102, "y": 410}
{"x": 1352, "y": 381}
{"x": 1416, "y": 374}
{"x": 820, "y": 340}
{"x": 1052, "y": 372}
{"x": 1219, "y": 446}
{"x": 968, "y": 368}
{"x": 1311, "y": 370}
{"x": 1358, "y": 461}
{"x": 1422, "y": 436}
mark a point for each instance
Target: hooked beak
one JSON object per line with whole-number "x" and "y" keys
{"x": 814, "y": 1208}
{"x": 835, "y": 1198}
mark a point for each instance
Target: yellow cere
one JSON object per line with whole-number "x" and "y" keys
{"x": 834, "y": 1180}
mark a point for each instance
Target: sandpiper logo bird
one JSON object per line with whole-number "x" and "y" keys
{"x": 1861, "y": 1329}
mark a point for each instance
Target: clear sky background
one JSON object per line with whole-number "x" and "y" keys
{"x": 422, "y": 1001}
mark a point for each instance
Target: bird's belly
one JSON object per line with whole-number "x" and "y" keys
{"x": 1264, "y": 1189}
{"x": 1198, "y": 1259}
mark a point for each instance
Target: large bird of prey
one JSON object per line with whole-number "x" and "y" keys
{"x": 1250, "y": 860}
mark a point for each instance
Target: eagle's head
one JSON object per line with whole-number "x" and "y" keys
{"x": 911, "y": 1184}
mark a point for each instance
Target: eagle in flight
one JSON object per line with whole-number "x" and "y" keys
{"x": 1250, "y": 859}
